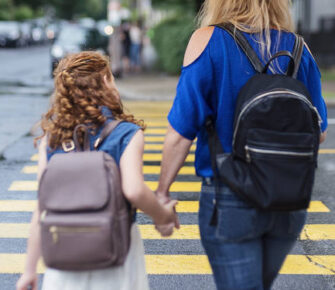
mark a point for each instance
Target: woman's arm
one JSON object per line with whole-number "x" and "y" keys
{"x": 29, "y": 277}
{"x": 175, "y": 151}
{"x": 134, "y": 188}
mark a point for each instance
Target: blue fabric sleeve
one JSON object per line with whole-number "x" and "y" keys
{"x": 309, "y": 73}
{"x": 192, "y": 103}
{"x": 118, "y": 140}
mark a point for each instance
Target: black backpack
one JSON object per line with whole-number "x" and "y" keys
{"x": 276, "y": 136}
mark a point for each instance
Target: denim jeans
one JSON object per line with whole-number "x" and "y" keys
{"x": 247, "y": 247}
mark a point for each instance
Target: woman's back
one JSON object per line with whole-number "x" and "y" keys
{"x": 217, "y": 75}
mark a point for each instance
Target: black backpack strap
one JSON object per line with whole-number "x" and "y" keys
{"x": 215, "y": 148}
{"x": 106, "y": 131}
{"x": 244, "y": 45}
{"x": 297, "y": 53}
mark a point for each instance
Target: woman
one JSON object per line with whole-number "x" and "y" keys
{"x": 248, "y": 248}
{"x": 85, "y": 93}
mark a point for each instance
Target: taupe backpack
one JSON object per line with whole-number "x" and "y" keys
{"x": 85, "y": 218}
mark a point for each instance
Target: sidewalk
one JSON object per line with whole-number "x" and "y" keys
{"x": 148, "y": 87}
{"x": 160, "y": 87}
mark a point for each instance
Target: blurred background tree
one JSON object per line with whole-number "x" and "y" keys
{"x": 170, "y": 37}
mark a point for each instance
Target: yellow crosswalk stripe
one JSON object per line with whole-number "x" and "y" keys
{"x": 34, "y": 157}
{"x": 187, "y": 170}
{"x": 159, "y": 147}
{"x": 178, "y": 186}
{"x": 158, "y": 157}
{"x": 24, "y": 185}
{"x": 191, "y": 155}
{"x": 318, "y": 232}
{"x": 145, "y": 116}
{"x": 309, "y": 265}
{"x": 17, "y": 205}
{"x": 153, "y": 124}
{"x": 31, "y": 169}
{"x": 154, "y": 139}
{"x": 182, "y": 206}
{"x": 154, "y": 131}
{"x": 146, "y": 157}
{"x": 186, "y": 232}
{"x": 193, "y": 264}
{"x": 327, "y": 151}
{"x": 318, "y": 206}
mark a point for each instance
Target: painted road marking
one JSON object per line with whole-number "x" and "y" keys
{"x": 193, "y": 264}
{"x": 186, "y": 232}
{"x": 318, "y": 232}
{"x": 159, "y": 147}
{"x": 153, "y": 124}
{"x": 327, "y": 151}
{"x": 178, "y": 186}
{"x": 146, "y": 157}
{"x": 153, "y": 131}
{"x": 331, "y": 121}
{"x": 158, "y": 157}
{"x": 191, "y": 155}
{"x": 187, "y": 170}
{"x": 182, "y": 206}
{"x": 30, "y": 169}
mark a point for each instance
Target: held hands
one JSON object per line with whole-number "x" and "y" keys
{"x": 171, "y": 221}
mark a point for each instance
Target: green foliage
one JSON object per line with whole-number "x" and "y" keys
{"x": 23, "y": 12}
{"x": 6, "y": 8}
{"x": 170, "y": 39}
{"x": 89, "y": 8}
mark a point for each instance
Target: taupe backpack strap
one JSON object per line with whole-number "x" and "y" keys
{"x": 86, "y": 145}
{"x": 106, "y": 131}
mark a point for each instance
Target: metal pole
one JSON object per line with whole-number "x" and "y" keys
{"x": 308, "y": 16}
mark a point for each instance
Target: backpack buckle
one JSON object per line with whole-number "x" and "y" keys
{"x": 68, "y": 146}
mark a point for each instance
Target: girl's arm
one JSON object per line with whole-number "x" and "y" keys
{"x": 29, "y": 277}
{"x": 134, "y": 187}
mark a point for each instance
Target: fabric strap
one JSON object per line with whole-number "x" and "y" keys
{"x": 252, "y": 55}
{"x": 106, "y": 131}
{"x": 215, "y": 148}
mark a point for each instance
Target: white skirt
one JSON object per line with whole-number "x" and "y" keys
{"x": 130, "y": 276}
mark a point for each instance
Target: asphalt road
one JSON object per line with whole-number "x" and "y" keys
{"x": 24, "y": 86}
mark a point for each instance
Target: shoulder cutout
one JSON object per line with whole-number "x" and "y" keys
{"x": 197, "y": 44}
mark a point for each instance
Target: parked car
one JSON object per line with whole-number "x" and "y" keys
{"x": 27, "y": 32}
{"x": 39, "y": 31}
{"x": 74, "y": 38}
{"x": 10, "y": 34}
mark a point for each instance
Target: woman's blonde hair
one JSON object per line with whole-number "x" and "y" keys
{"x": 80, "y": 93}
{"x": 252, "y": 16}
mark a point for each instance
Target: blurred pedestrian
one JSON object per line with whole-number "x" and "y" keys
{"x": 85, "y": 93}
{"x": 135, "y": 48}
{"x": 246, "y": 246}
{"x": 126, "y": 45}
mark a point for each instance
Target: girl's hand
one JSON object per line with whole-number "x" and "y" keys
{"x": 28, "y": 281}
{"x": 169, "y": 219}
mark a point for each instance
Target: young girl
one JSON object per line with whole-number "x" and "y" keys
{"x": 85, "y": 93}
{"x": 247, "y": 247}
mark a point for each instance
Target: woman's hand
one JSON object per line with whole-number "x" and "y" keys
{"x": 28, "y": 281}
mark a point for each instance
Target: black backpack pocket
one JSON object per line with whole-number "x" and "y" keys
{"x": 278, "y": 170}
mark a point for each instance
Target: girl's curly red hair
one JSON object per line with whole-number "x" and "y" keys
{"x": 80, "y": 92}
